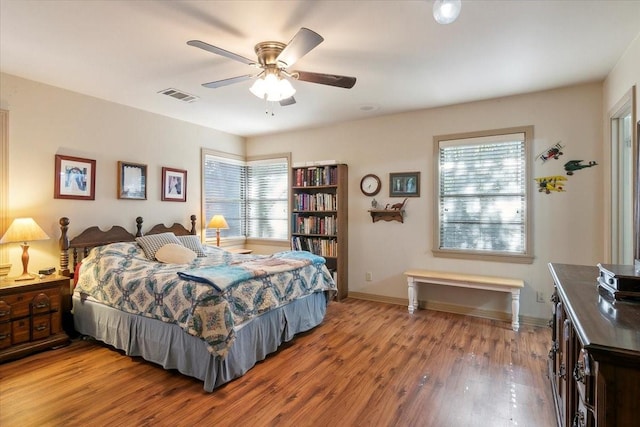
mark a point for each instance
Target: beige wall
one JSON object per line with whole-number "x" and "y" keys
{"x": 44, "y": 121}
{"x": 625, "y": 74}
{"x": 568, "y": 226}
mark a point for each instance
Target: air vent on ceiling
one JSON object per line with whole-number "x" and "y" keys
{"x": 179, "y": 95}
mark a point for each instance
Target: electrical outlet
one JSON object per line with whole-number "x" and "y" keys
{"x": 368, "y": 276}
{"x": 540, "y": 297}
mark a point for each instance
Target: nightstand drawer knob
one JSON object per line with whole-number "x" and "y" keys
{"x": 42, "y": 305}
{"x": 4, "y": 313}
{"x": 4, "y": 336}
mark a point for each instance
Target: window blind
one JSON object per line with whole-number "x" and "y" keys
{"x": 251, "y": 195}
{"x": 224, "y": 194}
{"x": 267, "y": 210}
{"x": 483, "y": 195}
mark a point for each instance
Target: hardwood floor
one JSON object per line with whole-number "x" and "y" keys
{"x": 368, "y": 364}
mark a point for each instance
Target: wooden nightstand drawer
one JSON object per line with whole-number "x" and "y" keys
{"x": 5, "y": 335}
{"x": 22, "y": 304}
{"x": 5, "y": 312}
{"x": 20, "y": 331}
{"x": 40, "y": 326}
{"x": 40, "y": 304}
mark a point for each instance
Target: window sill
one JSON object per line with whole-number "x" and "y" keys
{"x": 476, "y": 256}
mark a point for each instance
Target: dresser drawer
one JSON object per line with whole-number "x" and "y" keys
{"x": 40, "y": 326}
{"x": 584, "y": 376}
{"x": 583, "y": 417}
{"x": 20, "y": 330}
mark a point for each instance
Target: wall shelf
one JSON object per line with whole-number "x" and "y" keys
{"x": 387, "y": 215}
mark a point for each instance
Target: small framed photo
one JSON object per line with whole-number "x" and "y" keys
{"x": 405, "y": 184}
{"x": 132, "y": 181}
{"x": 75, "y": 178}
{"x": 174, "y": 185}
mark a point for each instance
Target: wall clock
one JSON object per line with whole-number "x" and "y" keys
{"x": 370, "y": 185}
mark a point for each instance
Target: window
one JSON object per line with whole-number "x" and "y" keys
{"x": 252, "y": 195}
{"x": 483, "y": 202}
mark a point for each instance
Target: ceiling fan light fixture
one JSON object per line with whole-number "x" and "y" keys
{"x": 446, "y": 11}
{"x": 272, "y": 88}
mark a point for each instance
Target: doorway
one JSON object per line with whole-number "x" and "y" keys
{"x": 623, "y": 160}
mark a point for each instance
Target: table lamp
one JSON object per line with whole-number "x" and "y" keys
{"x": 24, "y": 230}
{"x": 218, "y": 222}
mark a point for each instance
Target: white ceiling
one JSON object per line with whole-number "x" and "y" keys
{"x": 127, "y": 51}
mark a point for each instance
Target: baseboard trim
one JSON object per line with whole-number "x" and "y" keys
{"x": 452, "y": 308}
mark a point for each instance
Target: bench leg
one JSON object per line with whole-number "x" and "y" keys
{"x": 515, "y": 309}
{"x": 413, "y": 296}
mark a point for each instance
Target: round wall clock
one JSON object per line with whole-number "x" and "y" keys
{"x": 370, "y": 185}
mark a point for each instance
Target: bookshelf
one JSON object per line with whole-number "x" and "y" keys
{"x": 319, "y": 217}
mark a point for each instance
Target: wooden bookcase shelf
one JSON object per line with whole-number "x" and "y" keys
{"x": 319, "y": 217}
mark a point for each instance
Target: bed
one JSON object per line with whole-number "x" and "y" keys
{"x": 206, "y": 312}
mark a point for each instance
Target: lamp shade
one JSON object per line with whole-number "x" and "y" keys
{"x": 218, "y": 222}
{"x": 23, "y": 230}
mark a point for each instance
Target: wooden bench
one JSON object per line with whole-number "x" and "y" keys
{"x": 499, "y": 284}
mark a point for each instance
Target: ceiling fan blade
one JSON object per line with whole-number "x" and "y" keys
{"x": 299, "y": 46}
{"x": 326, "y": 79}
{"x": 288, "y": 101}
{"x": 227, "y": 82}
{"x": 219, "y": 51}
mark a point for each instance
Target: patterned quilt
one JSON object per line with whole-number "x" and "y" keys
{"x": 119, "y": 275}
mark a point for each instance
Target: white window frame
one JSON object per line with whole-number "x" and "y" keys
{"x": 209, "y": 235}
{"x": 475, "y": 138}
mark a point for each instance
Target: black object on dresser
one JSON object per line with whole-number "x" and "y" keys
{"x": 594, "y": 361}
{"x": 31, "y": 315}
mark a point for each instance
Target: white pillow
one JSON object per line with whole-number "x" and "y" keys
{"x": 151, "y": 243}
{"x": 175, "y": 253}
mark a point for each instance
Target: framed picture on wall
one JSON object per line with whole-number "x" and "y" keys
{"x": 75, "y": 178}
{"x": 174, "y": 185}
{"x": 405, "y": 184}
{"x": 132, "y": 181}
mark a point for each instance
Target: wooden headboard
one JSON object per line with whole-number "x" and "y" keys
{"x": 93, "y": 236}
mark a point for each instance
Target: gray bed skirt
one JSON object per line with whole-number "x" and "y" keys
{"x": 169, "y": 346}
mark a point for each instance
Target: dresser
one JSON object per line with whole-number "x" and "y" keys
{"x": 594, "y": 360}
{"x": 31, "y": 315}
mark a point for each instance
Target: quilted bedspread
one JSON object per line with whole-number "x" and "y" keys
{"x": 119, "y": 275}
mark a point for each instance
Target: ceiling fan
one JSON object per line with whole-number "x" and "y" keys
{"x": 274, "y": 58}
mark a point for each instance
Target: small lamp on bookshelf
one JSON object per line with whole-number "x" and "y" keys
{"x": 218, "y": 222}
{"x": 24, "y": 230}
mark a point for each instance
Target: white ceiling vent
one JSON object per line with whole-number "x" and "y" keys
{"x": 179, "y": 95}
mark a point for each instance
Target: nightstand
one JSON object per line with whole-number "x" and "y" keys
{"x": 31, "y": 315}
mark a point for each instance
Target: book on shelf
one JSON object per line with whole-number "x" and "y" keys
{"x": 314, "y": 176}
{"x": 314, "y": 225}
{"x": 315, "y": 202}
{"x": 318, "y": 246}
